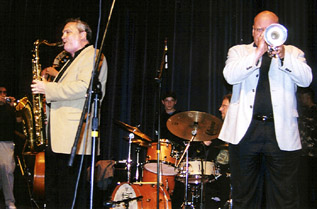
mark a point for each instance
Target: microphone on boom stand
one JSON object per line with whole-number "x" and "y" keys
{"x": 164, "y": 63}
{"x": 158, "y": 79}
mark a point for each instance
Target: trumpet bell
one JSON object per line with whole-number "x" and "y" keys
{"x": 275, "y": 35}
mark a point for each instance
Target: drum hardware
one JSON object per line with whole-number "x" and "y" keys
{"x": 186, "y": 203}
{"x": 193, "y": 126}
{"x": 113, "y": 204}
{"x": 137, "y": 174}
{"x": 229, "y": 203}
{"x": 129, "y": 161}
{"x": 134, "y": 131}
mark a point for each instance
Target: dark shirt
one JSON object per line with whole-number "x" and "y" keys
{"x": 166, "y": 134}
{"x": 71, "y": 59}
{"x": 263, "y": 103}
{"x": 7, "y": 122}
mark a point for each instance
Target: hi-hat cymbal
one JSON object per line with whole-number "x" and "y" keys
{"x": 184, "y": 123}
{"x": 133, "y": 130}
{"x": 139, "y": 142}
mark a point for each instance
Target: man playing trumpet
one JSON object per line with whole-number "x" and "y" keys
{"x": 261, "y": 123}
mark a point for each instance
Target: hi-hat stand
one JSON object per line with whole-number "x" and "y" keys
{"x": 186, "y": 203}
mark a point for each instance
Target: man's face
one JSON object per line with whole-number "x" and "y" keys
{"x": 72, "y": 38}
{"x": 169, "y": 103}
{"x": 223, "y": 108}
{"x": 3, "y": 93}
{"x": 260, "y": 24}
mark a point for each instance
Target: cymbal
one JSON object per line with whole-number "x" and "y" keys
{"x": 184, "y": 123}
{"x": 139, "y": 142}
{"x": 133, "y": 130}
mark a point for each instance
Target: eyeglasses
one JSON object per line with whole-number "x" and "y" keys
{"x": 259, "y": 30}
{"x": 3, "y": 92}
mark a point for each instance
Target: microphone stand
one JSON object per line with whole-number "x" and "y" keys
{"x": 93, "y": 90}
{"x": 158, "y": 147}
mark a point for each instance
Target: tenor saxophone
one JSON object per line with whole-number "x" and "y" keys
{"x": 37, "y": 139}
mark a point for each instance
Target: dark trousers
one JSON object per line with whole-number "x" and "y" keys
{"x": 262, "y": 175}
{"x": 60, "y": 181}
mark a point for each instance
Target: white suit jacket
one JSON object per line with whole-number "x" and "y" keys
{"x": 67, "y": 97}
{"x": 242, "y": 72}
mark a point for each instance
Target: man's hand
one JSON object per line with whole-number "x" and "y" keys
{"x": 38, "y": 87}
{"x": 279, "y": 52}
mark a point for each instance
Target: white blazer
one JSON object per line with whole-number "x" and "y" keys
{"x": 242, "y": 72}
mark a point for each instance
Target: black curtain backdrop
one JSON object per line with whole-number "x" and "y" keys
{"x": 198, "y": 32}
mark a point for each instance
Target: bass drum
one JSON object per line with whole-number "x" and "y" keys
{"x": 167, "y": 181}
{"x": 143, "y": 196}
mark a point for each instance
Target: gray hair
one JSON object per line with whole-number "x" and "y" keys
{"x": 82, "y": 26}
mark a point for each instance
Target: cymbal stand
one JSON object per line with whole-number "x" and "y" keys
{"x": 129, "y": 162}
{"x": 202, "y": 184}
{"x": 186, "y": 203}
{"x": 137, "y": 173}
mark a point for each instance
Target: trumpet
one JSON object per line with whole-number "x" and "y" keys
{"x": 275, "y": 35}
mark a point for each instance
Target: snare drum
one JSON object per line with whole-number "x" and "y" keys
{"x": 143, "y": 196}
{"x": 195, "y": 171}
{"x": 166, "y": 159}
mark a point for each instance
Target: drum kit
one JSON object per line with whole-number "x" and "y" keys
{"x": 192, "y": 126}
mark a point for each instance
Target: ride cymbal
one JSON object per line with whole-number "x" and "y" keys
{"x": 184, "y": 123}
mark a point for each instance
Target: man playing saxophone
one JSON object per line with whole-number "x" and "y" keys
{"x": 65, "y": 97}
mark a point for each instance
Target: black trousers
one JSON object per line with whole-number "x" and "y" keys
{"x": 60, "y": 181}
{"x": 263, "y": 176}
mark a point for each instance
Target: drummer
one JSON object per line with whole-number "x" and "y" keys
{"x": 211, "y": 154}
{"x": 169, "y": 100}
{"x": 218, "y": 192}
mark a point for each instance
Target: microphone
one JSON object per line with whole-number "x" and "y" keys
{"x": 164, "y": 63}
{"x": 165, "y": 55}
